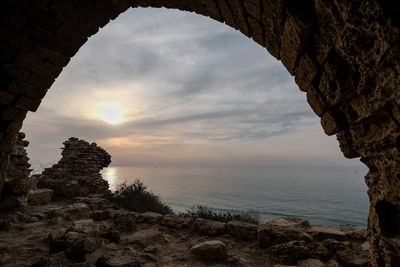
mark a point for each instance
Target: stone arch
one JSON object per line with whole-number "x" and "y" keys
{"x": 343, "y": 54}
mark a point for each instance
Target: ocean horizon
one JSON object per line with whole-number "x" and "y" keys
{"x": 325, "y": 196}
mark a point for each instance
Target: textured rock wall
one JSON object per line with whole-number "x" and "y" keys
{"x": 78, "y": 171}
{"x": 344, "y": 56}
{"x": 18, "y": 183}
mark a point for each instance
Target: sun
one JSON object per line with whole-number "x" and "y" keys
{"x": 111, "y": 113}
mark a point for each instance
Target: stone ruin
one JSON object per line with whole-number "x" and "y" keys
{"x": 76, "y": 174}
{"x": 17, "y": 185}
{"x": 78, "y": 171}
{"x": 19, "y": 189}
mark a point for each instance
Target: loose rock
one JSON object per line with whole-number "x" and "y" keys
{"x": 210, "y": 251}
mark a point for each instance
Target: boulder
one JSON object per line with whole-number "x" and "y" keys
{"x": 290, "y": 252}
{"x": 75, "y": 245}
{"x": 357, "y": 235}
{"x": 353, "y": 258}
{"x": 39, "y": 196}
{"x": 242, "y": 230}
{"x": 291, "y": 222}
{"x": 318, "y": 250}
{"x": 210, "y": 251}
{"x": 282, "y": 230}
{"x": 320, "y": 233}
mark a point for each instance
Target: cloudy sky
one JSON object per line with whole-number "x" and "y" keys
{"x": 164, "y": 87}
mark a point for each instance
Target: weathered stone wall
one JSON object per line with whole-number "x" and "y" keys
{"x": 343, "y": 54}
{"x": 77, "y": 173}
{"x": 17, "y": 184}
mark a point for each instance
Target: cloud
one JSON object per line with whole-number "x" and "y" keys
{"x": 186, "y": 82}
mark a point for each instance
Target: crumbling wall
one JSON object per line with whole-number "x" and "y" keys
{"x": 17, "y": 184}
{"x": 77, "y": 173}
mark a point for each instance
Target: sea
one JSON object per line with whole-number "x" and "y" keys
{"x": 325, "y": 196}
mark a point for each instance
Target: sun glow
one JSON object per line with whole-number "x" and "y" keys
{"x": 111, "y": 113}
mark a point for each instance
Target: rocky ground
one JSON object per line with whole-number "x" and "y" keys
{"x": 63, "y": 217}
{"x": 91, "y": 231}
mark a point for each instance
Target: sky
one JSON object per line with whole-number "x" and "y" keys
{"x": 164, "y": 87}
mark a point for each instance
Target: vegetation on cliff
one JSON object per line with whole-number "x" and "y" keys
{"x": 205, "y": 212}
{"x": 136, "y": 197}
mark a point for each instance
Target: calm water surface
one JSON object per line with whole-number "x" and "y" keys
{"x": 324, "y": 196}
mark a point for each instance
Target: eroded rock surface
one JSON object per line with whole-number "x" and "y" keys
{"x": 17, "y": 184}
{"x": 92, "y": 231}
{"x": 78, "y": 171}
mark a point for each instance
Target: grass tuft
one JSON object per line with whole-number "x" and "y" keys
{"x": 205, "y": 212}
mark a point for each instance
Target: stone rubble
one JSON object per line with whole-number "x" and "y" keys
{"x": 210, "y": 251}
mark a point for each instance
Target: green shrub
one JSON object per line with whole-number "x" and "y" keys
{"x": 205, "y": 212}
{"x": 135, "y": 197}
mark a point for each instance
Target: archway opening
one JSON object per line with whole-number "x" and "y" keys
{"x": 203, "y": 115}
